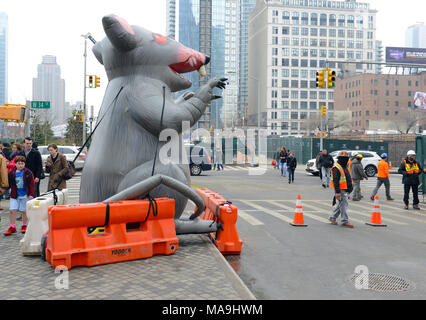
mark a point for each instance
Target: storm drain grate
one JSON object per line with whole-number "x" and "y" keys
{"x": 383, "y": 282}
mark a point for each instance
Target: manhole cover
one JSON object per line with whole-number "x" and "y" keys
{"x": 382, "y": 282}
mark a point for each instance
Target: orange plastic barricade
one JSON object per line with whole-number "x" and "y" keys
{"x": 225, "y": 213}
{"x": 129, "y": 232}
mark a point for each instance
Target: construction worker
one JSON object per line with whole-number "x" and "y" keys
{"x": 411, "y": 171}
{"x": 341, "y": 182}
{"x": 382, "y": 177}
{"x": 357, "y": 173}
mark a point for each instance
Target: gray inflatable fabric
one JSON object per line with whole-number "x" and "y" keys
{"x": 139, "y": 64}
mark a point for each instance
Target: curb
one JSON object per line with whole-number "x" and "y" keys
{"x": 237, "y": 283}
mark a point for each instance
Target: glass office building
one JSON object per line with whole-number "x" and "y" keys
{"x": 3, "y": 57}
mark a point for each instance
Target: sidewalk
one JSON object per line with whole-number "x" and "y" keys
{"x": 197, "y": 271}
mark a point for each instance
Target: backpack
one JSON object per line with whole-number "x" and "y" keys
{"x": 11, "y": 165}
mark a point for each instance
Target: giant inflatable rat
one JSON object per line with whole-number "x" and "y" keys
{"x": 139, "y": 64}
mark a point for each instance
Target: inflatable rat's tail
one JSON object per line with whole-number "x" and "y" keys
{"x": 182, "y": 226}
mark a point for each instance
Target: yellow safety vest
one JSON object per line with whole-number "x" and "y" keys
{"x": 411, "y": 168}
{"x": 342, "y": 182}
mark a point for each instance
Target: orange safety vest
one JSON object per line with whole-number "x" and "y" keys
{"x": 411, "y": 168}
{"x": 349, "y": 166}
{"x": 382, "y": 169}
{"x": 343, "y": 185}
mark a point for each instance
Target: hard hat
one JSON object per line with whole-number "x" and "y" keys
{"x": 411, "y": 153}
{"x": 383, "y": 156}
{"x": 354, "y": 154}
{"x": 359, "y": 155}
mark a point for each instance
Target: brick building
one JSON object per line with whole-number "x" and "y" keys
{"x": 378, "y": 98}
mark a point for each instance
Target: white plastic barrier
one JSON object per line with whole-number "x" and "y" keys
{"x": 37, "y": 210}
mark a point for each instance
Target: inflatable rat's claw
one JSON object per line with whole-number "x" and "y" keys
{"x": 216, "y": 97}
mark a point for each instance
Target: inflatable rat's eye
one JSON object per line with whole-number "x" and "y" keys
{"x": 160, "y": 39}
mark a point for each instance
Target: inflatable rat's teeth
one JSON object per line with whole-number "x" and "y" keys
{"x": 202, "y": 71}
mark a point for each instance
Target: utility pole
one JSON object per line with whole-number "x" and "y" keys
{"x": 85, "y": 36}
{"x": 84, "y": 83}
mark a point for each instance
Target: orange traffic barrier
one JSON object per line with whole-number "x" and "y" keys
{"x": 298, "y": 220}
{"x": 225, "y": 214}
{"x": 132, "y": 229}
{"x": 376, "y": 219}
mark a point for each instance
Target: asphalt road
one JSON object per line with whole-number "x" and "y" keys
{"x": 280, "y": 261}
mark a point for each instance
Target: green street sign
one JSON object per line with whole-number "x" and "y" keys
{"x": 40, "y": 104}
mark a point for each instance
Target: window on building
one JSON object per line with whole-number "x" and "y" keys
{"x": 312, "y": 105}
{"x": 332, "y": 20}
{"x": 314, "y": 19}
{"x": 294, "y": 105}
{"x": 285, "y": 83}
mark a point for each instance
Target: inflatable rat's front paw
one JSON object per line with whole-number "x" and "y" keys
{"x": 205, "y": 93}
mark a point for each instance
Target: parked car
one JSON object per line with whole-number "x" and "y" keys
{"x": 369, "y": 162}
{"x": 199, "y": 159}
{"x": 69, "y": 152}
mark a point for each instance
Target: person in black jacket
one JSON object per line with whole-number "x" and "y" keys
{"x": 411, "y": 171}
{"x": 291, "y": 166}
{"x": 342, "y": 185}
{"x": 326, "y": 162}
{"x": 283, "y": 160}
{"x": 33, "y": 163}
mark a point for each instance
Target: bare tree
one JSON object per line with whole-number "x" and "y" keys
{"x": 408, "y": 120}
{"x": 333, "y": 122}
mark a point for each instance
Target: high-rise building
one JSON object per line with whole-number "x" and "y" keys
{"x": 48, "y": 86}
{"x": 212, "y": 27}
{"x": 246, "y": 7}
{"x": 289, "y": 42}
{"x": 415, "y": 36}
{"x": 171, "y": 18}
{"x": 3, "y": 56}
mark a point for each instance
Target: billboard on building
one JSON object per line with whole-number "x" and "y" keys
{"x": 405, "y": 55}
{"x": 420, "y": 100}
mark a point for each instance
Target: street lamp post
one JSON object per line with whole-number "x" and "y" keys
{"x": 85, "y": 36}
{"x": 258, "y": 103}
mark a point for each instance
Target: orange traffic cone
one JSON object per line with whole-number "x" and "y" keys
{"x": 298, "y": 214}
{"x": 376, "y": 220}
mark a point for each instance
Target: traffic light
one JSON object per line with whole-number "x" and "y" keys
{"x": 97, "y": 82}
{"x": 331, "y": 78}
{"x": 321, "y": 79}
{"x": 323, "y": 111}
{"x": 78, "y": 117}
{"x": 90, "y": 81}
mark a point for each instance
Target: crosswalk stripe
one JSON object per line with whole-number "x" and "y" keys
{"x": 365, "y": 214}
{"x": 408, "y": 212}
{"x": 250, "y": 219}
{"x": 312, "y": 216}
{"x": 393, "y": 214}
{"x": 268, "y": 211}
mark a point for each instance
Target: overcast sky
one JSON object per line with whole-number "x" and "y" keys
{"x": 53, "y": 27}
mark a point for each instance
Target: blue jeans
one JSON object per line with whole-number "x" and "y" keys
{"x": 283, "y": 168}
{"x": 278, "y": 164}
{"x": 290, "y": 174}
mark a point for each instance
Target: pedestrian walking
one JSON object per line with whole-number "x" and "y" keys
{"x": 277, "y": 158}
{"x": 283, "y": 161}
{"x": 382, "y": 177}
{"x": 33, "y": 162}
{"x": 57, "y": 167}
{"x": 318, "y": 165}
{"x": 22, "y": 187}
{"x": 357, "y": 174}
{"x": 411, "y": 171}
{"x": 291, "y": 167}
{"x": 326, "y": 162}
{"x": 218, "y": 159}
{"x": 342, "y": 184}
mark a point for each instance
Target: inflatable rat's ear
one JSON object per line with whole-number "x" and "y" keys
{"x": 120, "y": 33}
{"x": 97, "y": 51}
